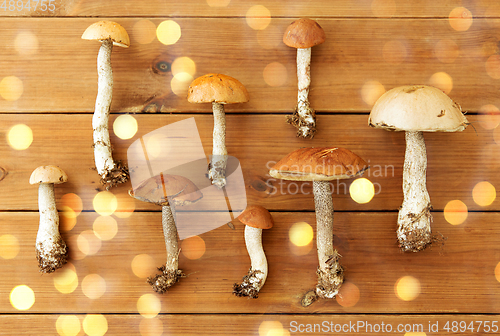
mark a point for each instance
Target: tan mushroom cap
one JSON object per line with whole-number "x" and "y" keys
{"x": 160, "y": 188}
{"x": 104, "y": 30}
{"x": 319, "y": 164}
{"x": 417, "y": 108}
{"x": 217, "y": 88}
{"x": 48, "y": 174}
{"x": 257, "y": 217}
{"x": 304, "y": 33}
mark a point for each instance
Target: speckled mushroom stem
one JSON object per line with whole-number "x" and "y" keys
{"x": 257, "y": 275}
{"x": 330, "y": 272}
{"x": 217, "y": 167}
{"x": 414, "y": 219}
{"x": 304, "y": 118}
{"x": 110, "y": 172}
{"x": 170, "y": 271}
{"x": 50, "y": 247}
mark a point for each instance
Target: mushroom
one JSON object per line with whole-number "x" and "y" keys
{"x": 217, "y": 89}
{"x": 51, "y": 251}
{"x": 256, "y": 218}
{"x": 108, "y": 33}
{"x": 416, "y": 109}
{"x": 321, "y": 165}
{"x": 168, "y": 191}
{"x": 303, "y": 34}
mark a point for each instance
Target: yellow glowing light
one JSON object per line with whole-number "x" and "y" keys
{"x": 460, "y": 19}
{"x": 348, "y": 295}
{"x": 22, "y": 297}
{"x": 446, "y": 51}
{"x": 442, "y": 81}
{"x": 489, "y": 48}
{"x": 144, "y": 31}
{"x": 180, "y": 84}
{"x": 88, "y": 243}
{"x": 183, "y": 64}
{"x": 105, "y": 227}
{"x": 126, "y": 206}
{"x": 68, "y": 325}
{"x": 95, "y": 325}
{"x": 484, "y": 193}
{"x": 497, "y": 272}
{"x": 157, "y": 145}
{"x": 218, "y": 3}
{"x": 371, "y": 91}
{"x": 72, "y": 201}
{"x": 493, "y": 66}
{"x": 143, "y": 265}
{"x": 151, "y": 327}
{"x": 407, "y": 288}
{"x": 125, "y": 126}
{"x": 383, "y": 8}
{"x": 93, "y": 286}
{"x": 11, "y": 88}
{"x": 193, "y": 247}
{"x": 415, "y": 334}
{"x": 67, "y": 219}
{"x": 455, "y": 212}
{"x": 258, "y": 17}
{"x": 301, "y": 234}
{"x": 9, "y": 246}
{"x": 394, "y": 52}
{"x": 105, "y": 203}
{"x": 66, "y": 280}
{"x": 272, "y": 328}
{"x": 149, "y": 305}
{"x": 168, "y": 32}
{"x": 20, "y": 137}
{"x": 362, "y": 190}
{"x": 275, "y": 74}
{"x": 26, "y": 43}
{"x": 489, "y": 116}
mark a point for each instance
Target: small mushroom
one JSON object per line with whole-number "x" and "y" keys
{"x": 108, "y": 33}
{"x": 321, "y": 165}
{"x": 158, "y": 190}
{"x": 304, "y": 34}
{"x": 217, "y": 89}
{"x": 416, "y": 109}
{"x": 256, "y": 218}
{"x": 51, "y": 251}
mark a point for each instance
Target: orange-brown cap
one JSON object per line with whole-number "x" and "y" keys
{"x": 319, "y": 164}
{"x": 48, "y": 174}
{"x": 304, "y": 33}
{"x": 257, "y": 217}
{"x": 159, "y": 188}
{"x": 104, "y": 30}
{"x": 217, "y": 88}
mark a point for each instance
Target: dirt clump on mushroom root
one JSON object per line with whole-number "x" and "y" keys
{"x": 330, "y": 278}
{"x": 162, "y": 282}
{"x": 299, "y": 123}
{"x": 52, "y": 259}
{"x": 249, "y": 285}
{"x": 119, "y": 174}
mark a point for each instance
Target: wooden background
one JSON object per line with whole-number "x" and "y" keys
{"x": 371, "y": 46}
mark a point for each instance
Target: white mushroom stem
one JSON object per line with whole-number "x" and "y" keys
{"x": 217, "y": 167}
{"x": 50, "y": 247}
{"x": 305, "y": 118}
{"x": 330, "y": 272}
{"x": 414, "y": 219}
{"x": 257, "y": 275}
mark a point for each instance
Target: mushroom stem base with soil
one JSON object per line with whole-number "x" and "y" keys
{"x": 414, "y": 219}
{"x": 170, "y": 272}
{"x": 218, "y": 162}
{"x": 256, "y": 277}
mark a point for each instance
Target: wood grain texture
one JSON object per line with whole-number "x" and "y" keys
{"x": 455, "y": 277}
{"x": 350, "y": 70}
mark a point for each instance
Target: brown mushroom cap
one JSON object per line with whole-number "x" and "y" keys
{"x": 158, "y": 189}
{"x": 257, "y": 217}
{"x": 319, "y": 164}
{"x": 104, "y": 30}
{"x": 304, "y": 33}
{"x": 48, "y": 174}
{"x": 217, "y": 88}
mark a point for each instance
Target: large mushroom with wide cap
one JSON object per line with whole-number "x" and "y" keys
{"x": 303, "y": 34}
{"x": 168, "y": 191}
{"x": 416, "y": 109}
{"x": 109, "y": 34}
{"x": 51, "y": 250}
{"x": 322, "y": 165}
{"x": 256, "y": 218}
{"x": 219, "y": 90}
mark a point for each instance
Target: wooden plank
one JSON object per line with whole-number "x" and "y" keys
{"x": 187, "y": 325}
{"x": 276, "y": 8}
{"x": 348, "y": 71}
{"x": 456, "y": 161}
{"x": 457, "y": 277}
